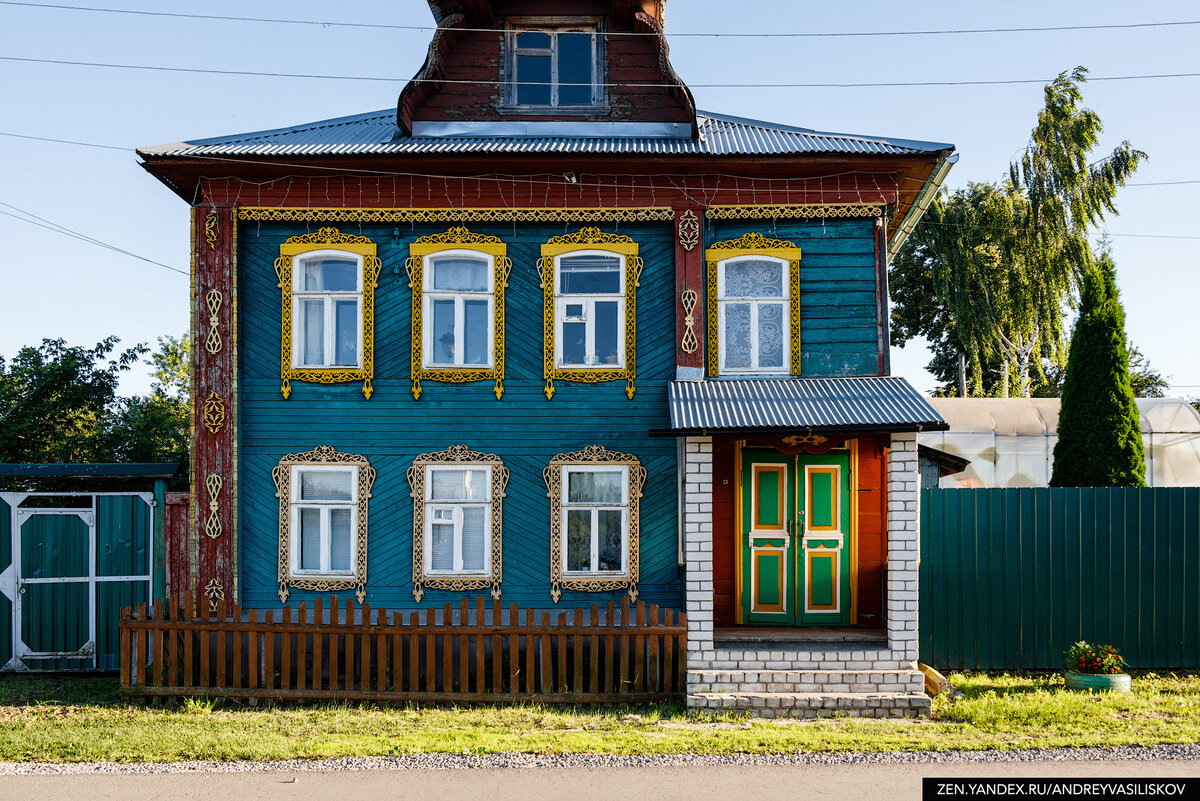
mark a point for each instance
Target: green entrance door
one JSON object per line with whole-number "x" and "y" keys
{"x": 795, "y": 538}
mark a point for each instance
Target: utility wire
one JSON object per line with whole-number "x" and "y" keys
{"x": 50, "y": 225}
{"x": 319, "y": 76}
{"x": 771, "y": 35}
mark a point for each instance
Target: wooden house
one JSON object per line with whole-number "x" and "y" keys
{"x": 544, "y": 330}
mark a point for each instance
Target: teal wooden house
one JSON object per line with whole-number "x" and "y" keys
{"x": 546, "y": 332}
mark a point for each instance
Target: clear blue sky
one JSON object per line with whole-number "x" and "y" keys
{"x": 56, "y": 286}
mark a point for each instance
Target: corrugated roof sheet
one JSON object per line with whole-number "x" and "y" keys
{"x": 880, "y": 403}
{"x": 376, "y": 132}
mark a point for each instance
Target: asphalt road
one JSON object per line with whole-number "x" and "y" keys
{"x": 882, "y": 782}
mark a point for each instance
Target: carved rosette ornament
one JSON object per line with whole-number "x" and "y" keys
{"x": 214, "y": 591}
{"x": 214, "y": 413}
{"x": 689, "y": 230}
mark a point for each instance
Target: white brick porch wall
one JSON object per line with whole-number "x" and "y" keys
{"x": 725, "y": 678}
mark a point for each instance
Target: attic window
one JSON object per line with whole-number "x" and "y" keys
{"x": 554, "y": 67}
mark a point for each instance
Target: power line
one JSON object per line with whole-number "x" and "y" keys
{"x": 319, "y": 76}
{"x": 65, "y": 141}
{"x": 49, "y": 225}
{"x": 771, "y": 35}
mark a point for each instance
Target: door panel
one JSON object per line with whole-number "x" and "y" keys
{"x": 795, "y": 513}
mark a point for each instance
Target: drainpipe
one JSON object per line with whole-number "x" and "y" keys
{"x": 928, "y": 192}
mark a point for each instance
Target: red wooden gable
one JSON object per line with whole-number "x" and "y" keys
{"x": 471, "y": 57}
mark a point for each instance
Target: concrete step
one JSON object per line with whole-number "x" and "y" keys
{"x": 814, "y": 705}
{"x": 805, "y": 681}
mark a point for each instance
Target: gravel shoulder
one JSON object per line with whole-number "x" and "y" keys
{"x": 426, "y": 762}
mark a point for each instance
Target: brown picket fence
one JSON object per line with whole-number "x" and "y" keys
{"x": 460, "y": 652}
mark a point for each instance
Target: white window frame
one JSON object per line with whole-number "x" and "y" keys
{"x": 299, "y": 295}
{"x": 589, "y": 313}
{"x": 783, "y": 300}
{"x": 459, "y": 297}
{"x": 595, "y": 508}
{"x": 432, "y": 506}
{"x": 553, "y": 30}
{"x": 296, "y": 504}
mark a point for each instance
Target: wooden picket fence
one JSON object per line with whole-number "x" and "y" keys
{"x": 463, "y": 652}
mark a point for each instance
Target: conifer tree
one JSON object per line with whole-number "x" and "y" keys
{"x": 1099, "y": 431}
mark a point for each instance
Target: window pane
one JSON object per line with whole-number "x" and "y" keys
{"x": 770, "y": 335}
{"x": 594, "y": 486}
{"x": 442, "y": 332}
{"x": 346, "y": 331}
{"x": 533, "y": 39}
{"x": 458, "y": 273}
{"x": 589, "y": 275}
{"x": 579, "y": 539}
{"x": 341, "y": 540}
{"x": 737, "y": 335}
{"x": 754, "y": 278}
{"x": 326, "y": 485}
{"x": 533, "y": 79}
{"x": 441, "y": 547}
{"x": 458, "y": 485}
{"x": 574, "y": 69}
{"x": 330, "y": 275}
{"x": 474, "y": 536}
{"x": 310, "y": 539}
{"x": 574, "y": 346}
{"x": 312, "y": 332}
{"x": 610, "y": 522}
{"x": 475, "y": 332}
{"x": 606, "y": 332}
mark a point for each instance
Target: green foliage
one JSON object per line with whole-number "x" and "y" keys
{"x": 1099, "y": 431}
{"x": 1146, "y": 381}
{"x": 991, "y": 268}
{"x": 1093, "y": 658}
{"x": 60, "y": 404}
{"x": 55, "y": 400}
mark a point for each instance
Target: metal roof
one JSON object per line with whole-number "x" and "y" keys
{"x": 869, "y": 403}
{"x": 376, "y": 133}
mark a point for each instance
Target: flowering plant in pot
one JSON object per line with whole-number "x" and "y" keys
{"x": 1091, "y": 666}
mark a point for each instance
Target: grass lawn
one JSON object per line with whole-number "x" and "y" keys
{"x": 74, "y": 719}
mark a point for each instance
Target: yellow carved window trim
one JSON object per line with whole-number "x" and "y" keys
{"x": 553, "y": 476}
{"x": 322, "y": 456}
{"x": 752, "y": 244}
{"x": 457, "y": 456}
{"x": 589, "y": 239}
{"x": 464, "y": 240}
{"x": 329, "y": 239}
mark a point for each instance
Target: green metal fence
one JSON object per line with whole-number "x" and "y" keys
{"x": 1011, "y": 577}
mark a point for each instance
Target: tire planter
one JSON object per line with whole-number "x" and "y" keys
{"x": 1113, "y": 682}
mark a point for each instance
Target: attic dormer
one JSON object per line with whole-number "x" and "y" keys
{"x": 547, "y": 67}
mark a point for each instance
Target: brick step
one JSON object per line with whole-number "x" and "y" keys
{"x": 814, "y": 705}
{"x": 805, "y": 681}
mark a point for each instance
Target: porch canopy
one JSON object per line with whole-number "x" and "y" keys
{"x": 862, "y": 404}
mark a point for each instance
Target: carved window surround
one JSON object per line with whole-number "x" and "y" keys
{"x": 457, "y": 239}
{"x": 362, "y": 248}
{"x": 322, "y": 455}
{"x": 457, "y": 456}
{"x": 553, "y": 476}
{"x": 752, "y": 244}
{"x": 589, "y": 239}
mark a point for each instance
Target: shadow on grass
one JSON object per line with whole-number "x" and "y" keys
{"x": 41, "y": 689}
